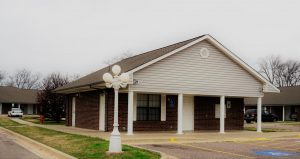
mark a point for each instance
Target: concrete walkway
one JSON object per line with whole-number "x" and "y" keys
{"x": 142, "y": 138}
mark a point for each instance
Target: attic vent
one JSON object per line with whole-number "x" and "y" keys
{"x": 204, "y": 53}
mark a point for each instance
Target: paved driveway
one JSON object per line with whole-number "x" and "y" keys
{"x": 258, "y": 148}
{"x": 11, "y": 150}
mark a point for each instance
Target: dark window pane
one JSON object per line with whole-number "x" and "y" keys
{"x": 148, "y": 107}
{"x": 154, "y": 113}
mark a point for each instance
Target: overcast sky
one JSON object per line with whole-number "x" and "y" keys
{"x": 76, "y": 37}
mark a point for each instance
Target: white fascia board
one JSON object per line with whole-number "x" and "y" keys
{"x": 222, "y": 48}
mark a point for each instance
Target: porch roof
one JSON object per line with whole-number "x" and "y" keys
{"x": 287, "y": 96}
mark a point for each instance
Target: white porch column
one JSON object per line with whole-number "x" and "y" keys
{"x": 134, "y": 106}
{"x": 180, "y": 107}
{"x": 283, "y": 113}
{"x": 258, "y": 126}
{"x": 102, "y": 112}
{"x": 73, "y": 110}
{"x": 222, "y": 114}
{"x": 163, "y": 108}
{"x": 130, "y": 114}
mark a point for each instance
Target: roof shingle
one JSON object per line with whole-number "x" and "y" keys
{"x": 16, "y": 95}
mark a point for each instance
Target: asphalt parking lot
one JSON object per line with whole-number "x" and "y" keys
{"x": 261, "y": 148}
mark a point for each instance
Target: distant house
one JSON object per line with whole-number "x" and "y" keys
{"x": 26, "y": 99}
{"x": 197, "y": 84}
{"x": 284, "y": 104}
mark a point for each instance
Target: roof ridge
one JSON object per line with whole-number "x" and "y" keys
{"x": 19, "y": 88}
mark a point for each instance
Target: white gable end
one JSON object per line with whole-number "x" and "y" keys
{"x": 186, "y": 72}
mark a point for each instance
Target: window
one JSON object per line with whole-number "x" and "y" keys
{"x": 148, "y": 107}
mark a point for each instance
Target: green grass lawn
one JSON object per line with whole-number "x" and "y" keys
{"x": 290, "y": 122}
{"x": 36, "y": 120}
{"x": 76, "y": 145}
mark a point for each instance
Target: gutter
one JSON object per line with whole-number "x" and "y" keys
{"x": 64, "y": 89}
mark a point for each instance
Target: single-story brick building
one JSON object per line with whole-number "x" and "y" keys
{"x": 197, "y": 84}
{"x": 286, "y": 104}
{"x": 12, "y": 97}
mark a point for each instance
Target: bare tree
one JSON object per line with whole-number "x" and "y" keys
{"x": 73, "y": 77}
{"x": 24, "y": 79}
{"x": 52, "y": 103}
{"x": 2, "y": 77}
{"x": 269, "y": 67}
{"x": 279, "y": 72}
{"x": 291, "y": 74}
{"x": 120, "y": 57}
{"x": 53, "y": 81}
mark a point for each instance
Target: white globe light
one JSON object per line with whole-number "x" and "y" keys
{"x": 107, "y": 77}
{"x": 124, "y": 77}
{"x": 116, "y": 69}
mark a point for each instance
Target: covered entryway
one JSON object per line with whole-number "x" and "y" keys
{"x": 207, "y": 113}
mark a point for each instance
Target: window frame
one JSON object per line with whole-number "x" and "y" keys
{"x": 148, "y": 108}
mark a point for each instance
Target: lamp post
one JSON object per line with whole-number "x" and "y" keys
{"x": 116, "y": 82}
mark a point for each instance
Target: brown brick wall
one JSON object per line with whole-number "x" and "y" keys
{"x": 87, "y": 110}
{"x": 87, "y": 113}
{"x": 123, "y": 107}
{"x": 6, "y": 107}
{"x": 298, "y": 112}
{"x": 205, "y": 114}
{"x": 68, "y": 109}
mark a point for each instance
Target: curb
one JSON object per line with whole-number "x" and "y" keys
{"x": 162, "y": 154}
{"x": 37, "y": 148}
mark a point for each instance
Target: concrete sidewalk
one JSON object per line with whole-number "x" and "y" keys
{"x": 142, "y": 138}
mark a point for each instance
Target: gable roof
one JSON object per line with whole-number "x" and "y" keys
{"x": 138, "y": 62}
{"x": 126, "y": 65}
{"x": 16, "y": 95}
{"x": 287, "y": 96}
